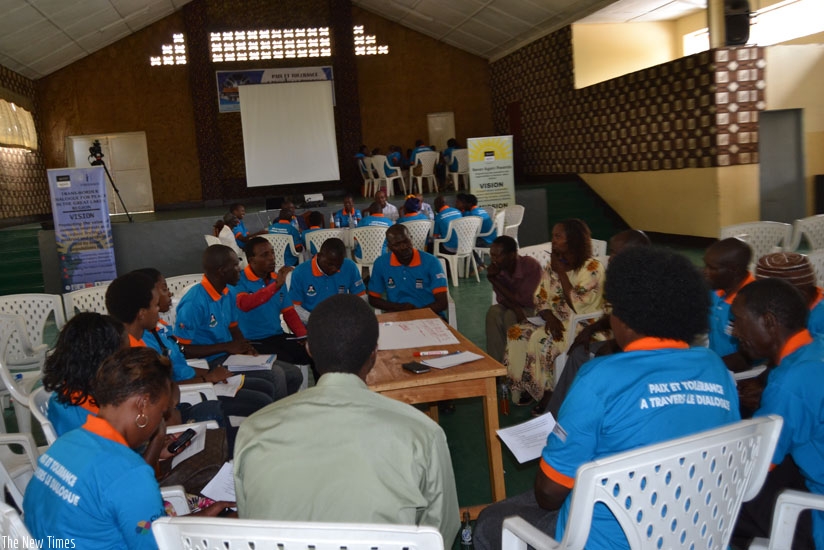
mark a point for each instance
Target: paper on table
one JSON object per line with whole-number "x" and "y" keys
{"x": 230, "y": 387}
{"x": 241, "y": 363}
{"x": 198, "y": 444}
{"x": 451, "y": 360}
{"x": 415, "y": 334}
{"x": 527, "y": 440}
{"x": 222, "y": 486}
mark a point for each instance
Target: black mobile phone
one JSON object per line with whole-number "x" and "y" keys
{"x": 416, "y": 367}
{"x": 181, "y": 441}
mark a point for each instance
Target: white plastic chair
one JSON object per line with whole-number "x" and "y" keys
{"x": 176, "y": 285}
{"x": 280, "y": 243}
{"x": 789, "y": 504}
{"x": 514, "y": 217}
{"x": 812, "y": 228}
{"x": 379, "y": 165}
{"x": 211, "y": 240}
{"x": 18, "y": 384}
{"x": 317, "y": 238}
{"x": 816, "y": 258}
{"x": 16, "y": 470}
{"x": 367, "y": 176}
{"x": 541, "y": 252}
{"x": 763, "y": 237}
{"x": 427, "y": 160}
{"x": 497, "y": 228}
{"x": 688, "y": 489}
{"x": 420, "y": 231}
{"x": 35, "y": 310}
{"x": 462, "y": 155}
{"x": 371, "y": 241}
{"x": 39, "y": 406}
{"x": 86, "y": 299}
{"x": 200, "y": 532}
{"x": 599, "y": 248}
{"x": 467, "y": 229}
{"x": 12, "y": 528}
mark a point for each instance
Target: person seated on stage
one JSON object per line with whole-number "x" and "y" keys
{"x": 315, "y": 223}
{"x": 727, "y": 269}
{"x": 444, "y": 214}
{"x": 770, "y": 322}
{"x": 242, "y": 235}
{"x": 91, "y": 488}
{"x": 85, "y": 341}
{"x": 348, "y": 216}
{"x": 283, "y": 226}
{"x": 586, "y": 346}
{"x": 339, "y": 452}
{"x": 571, "y": 283}
{"x": 426, "y": 208}
{"x": 659, "y": 305}
{"x": 134, "y": 300}
{"x": 226, "y": 231}
{"x": 330, "y": 272}
{"x": 796, "y": 269}
{"x": 361, "y": 156}
{"x": 412, "y": 210}
{"x": 515, "y": 280}
{"x": 419, "y": 148}
{"x": 468, "y": 205}
{"x": 207, "y": 325}
{"x": 390, "y": 211}
{"x": 448, "y": 161}
{"x": 262, "y": 297}
{"x": 374, "y": 218}
{"x": 298, "y": 222}
{"x": 410, "y": 278}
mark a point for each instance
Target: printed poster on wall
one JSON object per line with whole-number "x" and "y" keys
{"x": 82, "y": 227}
{"x": 229, "y": 81}
{"x": 491, "y": 171}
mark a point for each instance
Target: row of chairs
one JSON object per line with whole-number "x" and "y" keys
{"x": 375, "y": 176}
{"x": 765, "y": 236}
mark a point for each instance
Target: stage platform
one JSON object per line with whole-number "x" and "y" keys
{"x": 173, "y": 242}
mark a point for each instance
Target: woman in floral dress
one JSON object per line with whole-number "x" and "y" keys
{"x": 573, "y": 282}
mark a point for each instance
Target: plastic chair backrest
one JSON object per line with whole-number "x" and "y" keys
{"x": 181, "y": 532}
{"x": 39, "y": 406}
{"x": 14, "y": 340}
{"x": 763, "y": 237}
{"x": 211, "y": 240}
{"x": 16, "y": 470}
{"x": 371, "y": 241}
{"x": 462, "y": 155}
{"x": 316, "y": 238}
{"x": 280, "y": 243}
{"x": 35, "y": 310}
{"x": 427, "y": 160}
{"x": 788, "y": 506}
{"x": 816, "y": 258}
{"x": 420, "y": 231}
{"x": 812, "y": 228}
{"x": 176, "y": 285}
{"x": 86, "y": 299}
{"x": 12, "y": 528}
{"x": 599, "y": 248}
{"x": 467, "y": 229}
{"x": 541, "y": 252}
{"x": 514, "y": 215}
{"x": 379, "y": 164}
{"x": 690, "y": 488}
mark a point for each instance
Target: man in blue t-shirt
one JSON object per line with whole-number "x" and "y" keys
{"x": 770, "y": 321}
{"x": 468, "y": 205}
{"x": 330, "y": 272}
{"x": 419, "y": 148}
{"x": 409, "y": 278}
{"x": 348, "y": 216}
{"x": 242, "y": 235}
{"x": 284, "y": 226}
{"x": 374, "y": 218}
{"x": 631, "y": 399}
{"x": 444, "y": 214}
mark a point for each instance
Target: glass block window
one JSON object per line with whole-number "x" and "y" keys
{"x": 171, "y": 54}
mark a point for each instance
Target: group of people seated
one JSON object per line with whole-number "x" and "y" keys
{"x": 665, "y": 323}
{"x": 395, "y": 158}
{"x": 340, "y": 452}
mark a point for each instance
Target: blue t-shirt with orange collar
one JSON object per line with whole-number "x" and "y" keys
{"x": 372, "y": 220}
{"x": 486, "y": 224}
{"x": 442, "y": 220}
{"x": 416, "y": 283}
{"x": 205, "y": 316}
{"x": 181, "y": 370}
{"x": 656, "y": 390}
{"x": 66, "y": 417}
{"x": 342, "y": 217}
{"x": 264, "y": 320}
{"x": 721, "y": 339}
{"x": 310, "y": 285}
{"x": 240, "y": 231}
{"x": 815, "y": 322}
{"x": 90, "y": 488}
{"x": 795, "y": 391}
{"x": 285, "y": 227}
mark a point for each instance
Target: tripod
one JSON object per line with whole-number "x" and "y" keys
{"x": 99, "y": 162}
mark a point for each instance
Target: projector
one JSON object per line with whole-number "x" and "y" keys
{"x": 313, "y": 200}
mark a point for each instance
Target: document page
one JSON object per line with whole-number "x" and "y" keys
{"x": 415, "y": 334}
{"x": 528, "y": 439}
{"x": 222, "y": 486}
{"x": 230, "y": 387}
{"x": 452, "y": 359}
{"x": 241, "y": 363}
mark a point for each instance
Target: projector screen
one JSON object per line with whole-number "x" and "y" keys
{"x": 289, "y": 133}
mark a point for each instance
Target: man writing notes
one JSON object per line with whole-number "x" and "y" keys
{"x": 370, "y": 459}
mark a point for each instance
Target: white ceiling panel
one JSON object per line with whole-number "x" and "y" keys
{"x": 441, "y": 12}
{"x": 92, "y": 23}
{"x": 14, "y": 43}
{"x": 18, "y": 18}
{"x": 101, "y": 38}
{"x": 58, "y": 59}
{"x": 528, "y": 12}
{"x": 509, "y": 25}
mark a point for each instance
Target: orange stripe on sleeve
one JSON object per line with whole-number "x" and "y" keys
{"x": 375, "y": 294}
{"x": 439, "y": 290}
{"x": 184, "y": 341}
{"x": 556, "y": 476}
{"x": 234, "y": 324}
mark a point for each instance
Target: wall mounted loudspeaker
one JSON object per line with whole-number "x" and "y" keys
{"x": 736, "y": 22}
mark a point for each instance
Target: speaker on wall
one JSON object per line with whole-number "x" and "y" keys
{"x": 736, "y": 22}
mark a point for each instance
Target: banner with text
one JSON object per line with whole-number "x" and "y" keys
{"x": 491, "y": 171}
{"x": 229, "y": 81}
{"x": 82, "y": 227}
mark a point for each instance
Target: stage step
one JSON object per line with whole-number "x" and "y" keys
{"x": 575, "y": 199}
{"x": 22, "y": 272}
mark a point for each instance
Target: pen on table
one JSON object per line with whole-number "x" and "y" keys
{"x": 430, "y": 353}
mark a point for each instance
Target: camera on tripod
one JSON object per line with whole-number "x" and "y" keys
{"x": 95, "y": 151}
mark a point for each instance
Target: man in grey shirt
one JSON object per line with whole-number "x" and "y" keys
{"x": 339, "y": 452}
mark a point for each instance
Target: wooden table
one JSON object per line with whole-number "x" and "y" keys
{"x": 475, "y": 379}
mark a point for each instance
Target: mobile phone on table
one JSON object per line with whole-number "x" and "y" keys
{"x": 417, "y": 368}
{"x": 181, "y": 441}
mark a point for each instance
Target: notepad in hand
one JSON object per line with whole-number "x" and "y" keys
{"x": 451, "y": 360}
{"x": 230, "y": 387}
{"x": 242, "y": 363}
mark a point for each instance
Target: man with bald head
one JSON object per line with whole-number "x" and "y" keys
{"x": 726, "y": 268}
{"x": 409, "y": 278}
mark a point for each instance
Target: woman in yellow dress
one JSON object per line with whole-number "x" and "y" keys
{"x": 573, "y": 282}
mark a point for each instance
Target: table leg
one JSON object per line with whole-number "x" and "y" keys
{"x": 433, "y": 411}
{"x": 493, "y": 445}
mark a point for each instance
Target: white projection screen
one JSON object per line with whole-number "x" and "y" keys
{"x": 289, "y": 133}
